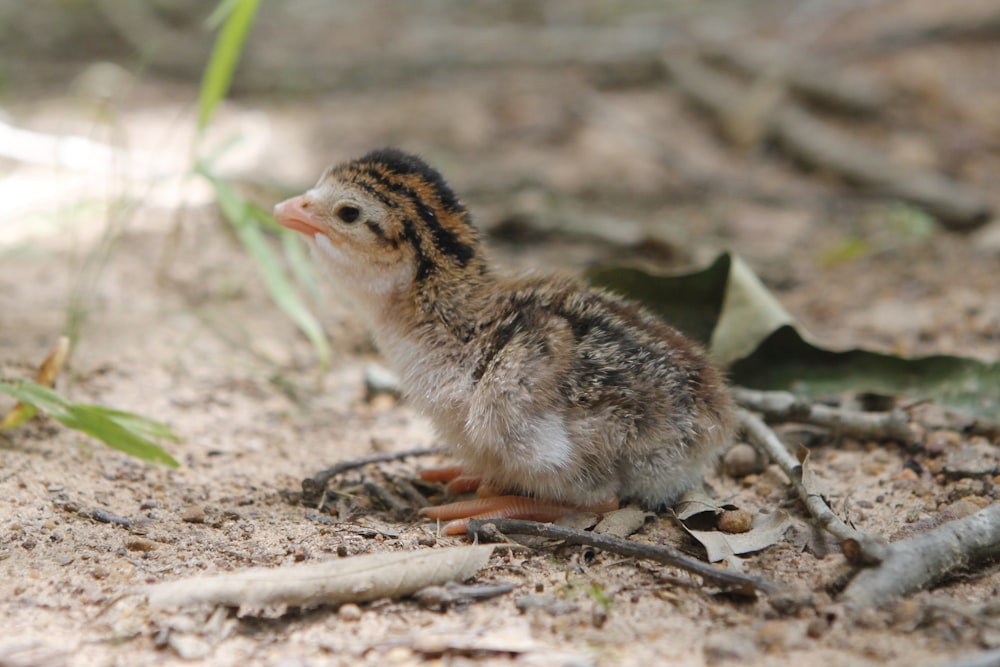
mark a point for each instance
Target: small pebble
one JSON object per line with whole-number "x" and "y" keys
{"x": 817, "y": 627}
{"x": 735, "y": 521}
{"x": 349, "y": 612}
{"x": 193, "y": 514}
{"x": 742, "y": 460}
{"x": 140, "y": 544}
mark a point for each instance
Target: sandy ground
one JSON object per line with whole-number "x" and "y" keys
{"x": 179, "y": 327}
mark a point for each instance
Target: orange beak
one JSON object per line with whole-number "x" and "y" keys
{"x": 294, "y": 213}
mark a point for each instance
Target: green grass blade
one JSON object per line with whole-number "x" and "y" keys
{"x": 143, "y": 426}
{"x": 115, "y": 435}
{"x": 225, "y": 56}
{"x": 101, "y": 423}
{"x": 220, "y": 13}
{"x": 240, "y": 215}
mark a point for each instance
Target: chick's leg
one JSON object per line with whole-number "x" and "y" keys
{"x": 455, "y": 479}
{"x": 506, "y": 507}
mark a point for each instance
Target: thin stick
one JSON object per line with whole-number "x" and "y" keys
{"x": 869, "y": 549}
{"x": 920, "y": 561}
{"x": 313, "y": 487}
{"x": 408, "y": 490}
{"x": 387, "y": 498}
{"x": 785, "y": 406}
{"x": 726, "y": 579}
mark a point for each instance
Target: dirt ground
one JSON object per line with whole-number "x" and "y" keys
{"x": 563, "y": 165}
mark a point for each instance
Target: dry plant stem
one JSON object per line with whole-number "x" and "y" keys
{"x": 764, "y": 439}
{"x": 815, "y": 142}
{"x": 667, "y": 555}
{"x": 920, "y": 561}
{"x": 785, "y": 406}
{"x": 314, "y": 487}
{"x": 387, "y": 498}
{"x": 408, "y": 491}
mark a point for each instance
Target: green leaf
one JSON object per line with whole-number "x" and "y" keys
{"x": 691, "y": 302}
{"x": 119, "y": 430}
{"x": 786, "y": 360}
{"x": 727, "y": 308}
{"x": 240, "y": 214}
{"x": 144, "y": 426}
{"x": 215, "y": 82}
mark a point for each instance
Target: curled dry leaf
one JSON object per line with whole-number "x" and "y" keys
{"x": 357, "y": 579}
{"x": 765, "y": 530}
{"x": 696, "y": 502}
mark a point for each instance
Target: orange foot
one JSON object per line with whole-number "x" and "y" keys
{"x": 491, "y": 504}
{"x": 454, "y": 477}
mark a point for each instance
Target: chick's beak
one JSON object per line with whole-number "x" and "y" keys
{"x": 295, "y": 214}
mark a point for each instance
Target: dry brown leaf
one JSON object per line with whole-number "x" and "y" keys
{"x": 765, "y": 530}
{"x": 696, "y": 501}
{"x": 622, "y": 522}
{"x": 357, "y": 579}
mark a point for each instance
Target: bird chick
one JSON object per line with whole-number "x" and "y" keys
{"x": 539, "y": 385}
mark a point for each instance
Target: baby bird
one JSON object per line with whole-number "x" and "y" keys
{"x": 566, "y": 396}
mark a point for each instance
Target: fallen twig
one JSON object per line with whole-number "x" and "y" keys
{"x": 661, "y": 553}
{"x": 817, "y": 143}
{"x": 920, "y": 561}
{"x": 407, "y": 489}
{"x": 314, "y": 487}
{"x": 869, "y": 549}
{"x": 785, "y": 406}
{"x": 387, "y": 498}
{"x": 355, "y": 579}
{"x": 454, "y": 593}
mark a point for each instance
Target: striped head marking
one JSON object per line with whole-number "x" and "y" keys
{"x": 386, "y": 219}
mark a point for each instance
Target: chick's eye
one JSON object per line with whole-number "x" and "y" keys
{"x": 348, "y": 213}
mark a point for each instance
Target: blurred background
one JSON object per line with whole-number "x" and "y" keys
{"x": 850, "y": 151}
